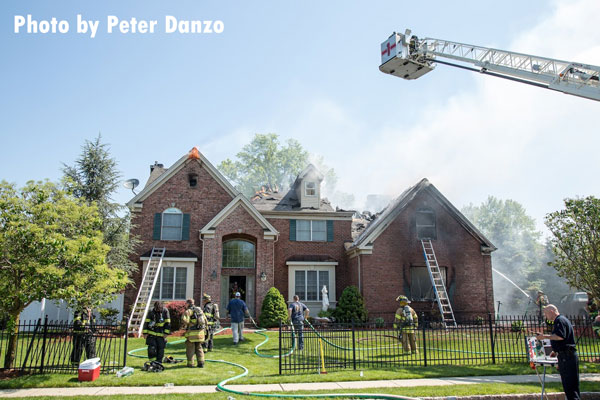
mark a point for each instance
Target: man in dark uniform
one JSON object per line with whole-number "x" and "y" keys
{"x": 84, "y": 327}
{"x": 562, "y": 340}
{"x": 156, "y": 329}
{"x": 211, "y": 311}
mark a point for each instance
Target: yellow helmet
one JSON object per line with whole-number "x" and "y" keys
{"x": 206, "y": 297}
{"x": 402, "y": 299}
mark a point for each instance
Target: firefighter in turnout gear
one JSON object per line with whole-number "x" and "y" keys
{"x": 406, "y": 322}
{"x": 195, "y": 324}
{"x": 211, "y": 311}
{"x": 84, "y": 327}
{"x": 156, "y": 329}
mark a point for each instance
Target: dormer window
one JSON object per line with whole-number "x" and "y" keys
{"x": 310, "y": 189}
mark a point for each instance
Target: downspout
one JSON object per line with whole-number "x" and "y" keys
{"x": 202, "y": 269}
{"x": 359, "y": 280}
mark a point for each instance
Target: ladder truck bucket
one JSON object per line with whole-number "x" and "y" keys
{"x": 397, "y": 60}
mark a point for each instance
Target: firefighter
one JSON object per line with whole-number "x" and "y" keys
{"x": 406, "y": 322}
{"x": 211, "y": 311}
{"x": 84, "y": 327}
{"x": 541, "y": 301}
{"x": 156, "y": 329}
{"x": 195, "y": 324}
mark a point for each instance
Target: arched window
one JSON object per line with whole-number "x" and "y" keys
{"x": 172, "y": 223}
{"x": 238, "y": 253}
{"x": 425, "y": 224}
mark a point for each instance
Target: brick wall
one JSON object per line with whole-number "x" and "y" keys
{"x": 284, "y": 249}
{"x": 202, "y": 202}
{"x": 397, "y": 249}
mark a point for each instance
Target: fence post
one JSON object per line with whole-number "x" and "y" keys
{"x": 353, "y": 346}
{"x": 424, "y": 339}
{"x": 126, "y": 337}
{"x": 44, "y": 344}
{"x": 280, "y": 332}
{"x": 492, "y": 338}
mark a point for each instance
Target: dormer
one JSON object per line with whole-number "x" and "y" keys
{"x": 308, "y": 187}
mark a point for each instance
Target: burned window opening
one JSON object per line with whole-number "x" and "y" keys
{"x": 425, "y": 221}
{"x": 193, "y": 180}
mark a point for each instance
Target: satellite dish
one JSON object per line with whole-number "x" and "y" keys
{"x": 131, "y": 184}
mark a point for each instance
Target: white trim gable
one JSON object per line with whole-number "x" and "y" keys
{"x": 270, "y": 233}
{"x": 194, "y": 154}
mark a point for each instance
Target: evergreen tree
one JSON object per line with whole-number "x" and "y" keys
{"x": 351, "y": 306}
{"x": 95, "y": 178}
{"x": 274, "y": 309}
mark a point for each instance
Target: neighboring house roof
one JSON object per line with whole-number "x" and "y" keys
{"x": 277, "y": 201}
{"x": 366, "y": 238}
{"x": 193, "y": 155}
{"x": 240, "y": 200}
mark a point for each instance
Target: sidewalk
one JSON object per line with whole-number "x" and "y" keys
{"x": 283, "y": 387}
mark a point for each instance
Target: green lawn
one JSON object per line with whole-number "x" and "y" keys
{"x": 261, "y": 369}
{"x": 420, "y": 391}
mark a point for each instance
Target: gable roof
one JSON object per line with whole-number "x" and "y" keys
{"x": 193, "y": 155}
{"x": 240, "y": 200}
{"x": 365, "y": 240}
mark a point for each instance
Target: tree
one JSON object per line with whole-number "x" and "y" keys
{"x": 95, "y": 178}
{"x": 51, "y": 247}
{"x": 522, "y": 255}
{"x": 273, "y": 310}
{"x": 351, "y": 306}
{"x": 576, "y": 243}
{"x": 265, "y": 163}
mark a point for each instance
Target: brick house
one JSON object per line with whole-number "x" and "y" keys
{"x": 217, "y": 241}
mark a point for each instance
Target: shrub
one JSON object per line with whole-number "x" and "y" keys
{"x": 273, "y": 309}
{"x": 109, "y": 315}
{"x": 351, "y": 306}
{"x": 479, "y": 320}
{"x": 325, "y": 314}
{"x": 516, "y": 326}
{"x": 379, "y": 322}
{"x": 176, "y": 310}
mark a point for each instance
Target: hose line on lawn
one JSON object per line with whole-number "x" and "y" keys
{"x": 260, "y": 331}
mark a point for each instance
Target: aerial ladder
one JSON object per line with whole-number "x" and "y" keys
{"x": 408, "y": 57}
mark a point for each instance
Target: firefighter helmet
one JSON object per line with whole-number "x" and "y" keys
{"x": 206, "y": 297}
{"x": 402, "y": 299}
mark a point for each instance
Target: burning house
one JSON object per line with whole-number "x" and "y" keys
{"x": 217, "y": 241}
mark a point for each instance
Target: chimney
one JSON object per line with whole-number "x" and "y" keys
{"x": 156, "y": 164}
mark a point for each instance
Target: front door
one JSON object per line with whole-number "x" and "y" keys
{"x": 230, "y": 284}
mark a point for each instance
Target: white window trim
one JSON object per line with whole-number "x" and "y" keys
{"x": 311, "y": 231}
{"x": 162, "y": 216}
{"x": 311, "y": 266}
{"x": 189, "y": 288}
{"x": 313, "y": 188}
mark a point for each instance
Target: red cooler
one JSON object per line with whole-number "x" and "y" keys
{"x": 89, "y": 370}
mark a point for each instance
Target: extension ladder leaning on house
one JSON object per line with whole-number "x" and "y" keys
{"x": 437, "y": 281}
{"x": 144, "y": 296}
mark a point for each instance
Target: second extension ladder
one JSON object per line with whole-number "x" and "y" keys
{"x": 437, "y": 281}
{"x": 144, "y": 296}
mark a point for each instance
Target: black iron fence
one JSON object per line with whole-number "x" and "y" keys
{"x": 45, "y": 346}
{"x": 377, "y": 344}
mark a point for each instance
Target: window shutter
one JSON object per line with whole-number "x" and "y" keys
{"x": 330, "y": 231}
{"x": 292, "y": 230}
{"x": 185, "y": 227}
{"x": 157, "y": 226}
